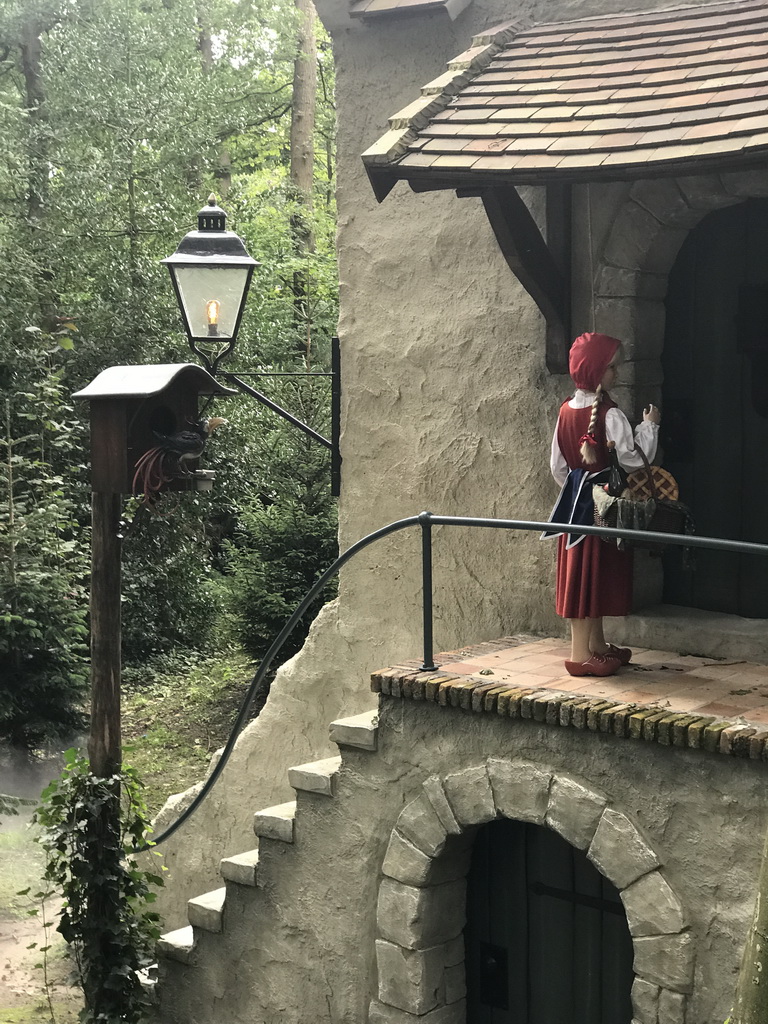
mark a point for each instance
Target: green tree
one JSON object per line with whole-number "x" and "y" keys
{"x": 42, "y": 569}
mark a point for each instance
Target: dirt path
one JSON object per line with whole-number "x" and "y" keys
{"x": 23, "y": 997}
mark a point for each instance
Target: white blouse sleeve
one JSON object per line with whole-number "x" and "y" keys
{"x": 646, "y": 436}
{"x": 557, "y": 462}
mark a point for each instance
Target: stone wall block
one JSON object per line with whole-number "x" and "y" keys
{"x": 420, "y": 824}
{"x": 671, "y": 1007}
{"x": 666, "y": 202}
{"x": 433, "y": 789}
{"x": 520, "y": 790}
{"x": 470, "y": 796}
{"x": 638, "y": 323}
{"x": 405, "y": 863}
{"x": 666, "y": 960}
{"x": 633, "y": 232}
{"x": 455, "y": 983}
{"x": 746, "y": 184}
{"x": 619, "y": 851}
{"x": 618, "y": 282}
{"x": 574, "y": 811}
{"x": 380, "y": 1013}
{"x": 410, "y": 980}
{"x": 704, "y": 192}
{"x": 415, "y": 981}
{"x": 651, "y": 907}
{"x": 663, "y": 249}
{"x": 417, "y": 918}
{"x": 645, "y": 1001}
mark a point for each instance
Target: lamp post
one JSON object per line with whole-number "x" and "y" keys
{"x": 211, "y": 272}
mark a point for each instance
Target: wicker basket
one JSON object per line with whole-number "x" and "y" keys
{"x": 670, "y": 516}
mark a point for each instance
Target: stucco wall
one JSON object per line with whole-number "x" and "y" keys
{"x": 447, "y": 405}
{"x": 300, "y": 947}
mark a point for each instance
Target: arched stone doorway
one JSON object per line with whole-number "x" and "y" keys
{"x": 421, "y": 910}
{"x": 631, "y": 281}
{"x": 715, "y": 397}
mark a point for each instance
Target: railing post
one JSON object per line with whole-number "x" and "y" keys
{"x": 335, "y": 417}
{"x": 425, "y": 520}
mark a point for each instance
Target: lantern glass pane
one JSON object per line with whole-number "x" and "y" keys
{"x": 211, "y": 297}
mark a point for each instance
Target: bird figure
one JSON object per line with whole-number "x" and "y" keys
{"x": 168, "y": 460}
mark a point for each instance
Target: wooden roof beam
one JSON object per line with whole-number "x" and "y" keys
{"x": 543, "y": 266}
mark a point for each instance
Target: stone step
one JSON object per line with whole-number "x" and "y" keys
{"x": 207, "y": 911}
{"x": 147, "y": 977}
{"x": 316, "y": 777}
{"x": 242, "y": 868}
{"x": 177, "y": 945}
{"x": 276, "y": 822}
{"x": 359, "y": 731}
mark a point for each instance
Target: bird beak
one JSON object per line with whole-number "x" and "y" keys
{"x": 215, "y": 421}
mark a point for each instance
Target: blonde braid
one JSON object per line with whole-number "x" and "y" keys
{"x": 587, "y": 449}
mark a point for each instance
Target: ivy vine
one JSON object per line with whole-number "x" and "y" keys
{"x": 89, "y": 830}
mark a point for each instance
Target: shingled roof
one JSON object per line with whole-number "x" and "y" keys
{"x": 632, "y": 95}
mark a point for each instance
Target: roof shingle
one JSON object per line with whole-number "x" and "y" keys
{"x": 585, "y": 99}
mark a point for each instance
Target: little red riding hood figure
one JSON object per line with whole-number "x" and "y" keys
{"x": 593, "y": 578}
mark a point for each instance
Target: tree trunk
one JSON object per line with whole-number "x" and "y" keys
{"x": 30, "y": 46}
{"x": 37, "y": 178}
{"x": 752, "y": 987}
{"x": 303, "y": 159}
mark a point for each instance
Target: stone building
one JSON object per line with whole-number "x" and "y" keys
{"x": 495, "y": 843}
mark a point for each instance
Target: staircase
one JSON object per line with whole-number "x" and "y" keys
{"x": 209, "y": 971}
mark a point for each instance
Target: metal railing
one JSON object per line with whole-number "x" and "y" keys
{"x": 426, "y": 520}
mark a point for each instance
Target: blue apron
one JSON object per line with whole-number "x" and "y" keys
{"x": 575, "y": 505}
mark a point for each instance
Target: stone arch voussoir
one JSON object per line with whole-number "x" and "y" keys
{"x": 421, "y": 901}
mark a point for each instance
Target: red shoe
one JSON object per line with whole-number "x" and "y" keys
{"x": 597, "y": 665}
{"x": 622, "y": 654}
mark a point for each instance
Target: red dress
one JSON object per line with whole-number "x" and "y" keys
{"x": 594, "y": 578}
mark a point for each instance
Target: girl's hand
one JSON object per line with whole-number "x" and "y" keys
{"x": 651, "y": 414}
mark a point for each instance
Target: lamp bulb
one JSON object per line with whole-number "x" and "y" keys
{"x": 212, "y": 308}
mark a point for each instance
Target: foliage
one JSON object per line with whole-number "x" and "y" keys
{"x": 176, "y": 714}
{"x": 118, "y": 117}
{"x": 171, "y": 592}
{"x": 89, "y": 829}
{"x": 42, "y": 596}
{"x": 286, "y": 526}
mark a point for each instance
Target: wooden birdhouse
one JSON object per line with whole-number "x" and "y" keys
{"x": 133, "y": 408}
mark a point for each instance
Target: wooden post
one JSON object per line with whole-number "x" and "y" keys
{"x": 105, "y": 742}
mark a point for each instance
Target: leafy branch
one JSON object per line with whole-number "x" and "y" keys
{"x": 90, "y": 827}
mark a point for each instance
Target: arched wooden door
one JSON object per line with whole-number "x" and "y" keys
{"x": 546, "y": 939}
{"x": 714, "y": 428}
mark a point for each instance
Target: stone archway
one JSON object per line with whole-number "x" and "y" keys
{"x": 631, "y": 271}
{"x": 421, "y": 903}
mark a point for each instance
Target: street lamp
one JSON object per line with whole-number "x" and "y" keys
{"x": 211, "y": 272}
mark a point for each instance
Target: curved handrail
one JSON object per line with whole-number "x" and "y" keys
{"x": 269, "y": 657}
{"x": 426, "y": 520}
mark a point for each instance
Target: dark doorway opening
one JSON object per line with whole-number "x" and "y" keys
{"x": 546, "y": 937}
{"x": 715, "y": 405}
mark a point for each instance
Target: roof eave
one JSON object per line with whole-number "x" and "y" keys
{"x": 383, "y": 178}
